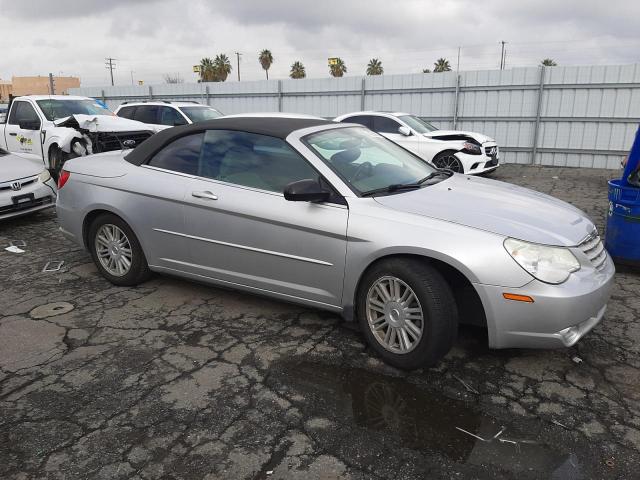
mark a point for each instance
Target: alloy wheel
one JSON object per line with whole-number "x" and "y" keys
{"x": 113, "y": 250}
{"x": 394, "y": 315}
{"x": 449, "y": 162}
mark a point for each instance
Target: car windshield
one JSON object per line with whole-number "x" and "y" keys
{"x": 200, "y": 114}
{"x": 367, "y": 161}
{"x": 54, "y": 108}
{"x": 417, "y": 123}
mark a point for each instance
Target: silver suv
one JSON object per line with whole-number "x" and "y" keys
{"x": 166, "y": 113}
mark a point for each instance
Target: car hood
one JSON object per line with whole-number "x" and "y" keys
{"x": 15, "y": 167}
{"x": 103, "y": 123}
{"x": 496, "y": 207}
{"x": 476, "y": 136}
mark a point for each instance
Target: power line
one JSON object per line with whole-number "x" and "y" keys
{"x": 110, "y": 65}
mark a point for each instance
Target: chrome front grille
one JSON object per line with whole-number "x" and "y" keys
{"x": 593, "y": 248}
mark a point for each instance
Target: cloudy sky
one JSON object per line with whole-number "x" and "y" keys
{"x": 154, "y": 37}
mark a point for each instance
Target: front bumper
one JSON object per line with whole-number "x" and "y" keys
{"x": 37, "y": 196}
{"x": 560, "y": 315}
{"x": 476, "y": 164}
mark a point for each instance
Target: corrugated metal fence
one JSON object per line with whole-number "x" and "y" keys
{"x": 562, "y": 116}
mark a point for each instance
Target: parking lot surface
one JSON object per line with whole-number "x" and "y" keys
{"x": 177, "y": 380}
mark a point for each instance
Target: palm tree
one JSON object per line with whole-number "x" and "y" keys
{"x": 338, "y": 69}
{"x": 426, "y": 70}
{"x": 222, "y": 67}
{"x": 297, "y": 70}
{"x": 266, "y": 59}
{"x": 207, "y": 70}
{"x": 375, "y": 67}
{"x": 441, "y": 65}
{"x": 548, "y": 62}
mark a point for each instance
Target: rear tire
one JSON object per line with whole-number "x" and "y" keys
{"x": 116, "y": 251}
{"x": 448, "y": 161}
{"x": 411, "y": 297}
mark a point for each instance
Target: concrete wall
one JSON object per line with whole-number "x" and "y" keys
{"x": 564, "y": 116}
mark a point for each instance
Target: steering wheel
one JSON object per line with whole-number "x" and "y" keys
{"x": 365, "y": 169}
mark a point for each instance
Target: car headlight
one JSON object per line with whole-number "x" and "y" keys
{"x": 547, "y": 264}
{"x": 471, "y": 148}
{"x": 44, "y": 176}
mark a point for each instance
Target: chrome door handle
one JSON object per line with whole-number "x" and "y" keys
{"x": 206, "y": 195}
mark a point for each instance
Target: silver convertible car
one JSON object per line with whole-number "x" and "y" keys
{"x": 337, "y": 217}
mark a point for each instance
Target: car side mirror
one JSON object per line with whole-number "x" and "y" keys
{"x": 308, "y": 190}
{"x": 406, "y": 131}
{"x": 29, "y": 124}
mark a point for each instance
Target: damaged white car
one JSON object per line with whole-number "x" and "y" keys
{"x": 54, "y": 128}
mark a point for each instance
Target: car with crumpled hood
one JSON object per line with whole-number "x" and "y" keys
{"x": 55, "y": 128}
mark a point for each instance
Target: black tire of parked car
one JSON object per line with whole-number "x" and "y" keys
{"x": 139, "y": 271}
{"x": 440, "y": 313}
{"x": 442, "y": 160}
{"x": 56, "y": 160}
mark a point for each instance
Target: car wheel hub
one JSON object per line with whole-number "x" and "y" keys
{"x": 394, "y": 315}
{"x": 113, "y": 250}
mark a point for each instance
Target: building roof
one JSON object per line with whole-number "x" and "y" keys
{"x": 279, "y": 127}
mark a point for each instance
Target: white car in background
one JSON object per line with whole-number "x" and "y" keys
{"x": 25, "y": 185}
{"x": 164, "y": 113}
{"x": 462, "y": 152}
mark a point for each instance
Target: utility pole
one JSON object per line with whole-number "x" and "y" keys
{"x": 238, "y": 57}
{"x": 502, "y": 57}
{"x": 110, "y": 65}
{"x": 52, "y": 88}
{"x": 458, "y": 64}
{"x": 132, "y": 77}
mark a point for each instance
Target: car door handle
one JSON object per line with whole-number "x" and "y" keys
{"x": 13, "y": 134}
{"x": 206, "y": 195}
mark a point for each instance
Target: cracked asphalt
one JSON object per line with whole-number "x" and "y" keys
{"x": 177, "y": 380}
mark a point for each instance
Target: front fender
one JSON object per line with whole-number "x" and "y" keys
{"x": 62, "y": 137}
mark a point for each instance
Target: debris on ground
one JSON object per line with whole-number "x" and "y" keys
{"x": 577, "y": 360}
{"x": 53, "y": 266}
{"x": 16, "y": 246}
{"x": 555, "y": 422}
{"x": 466, "y": 385}
{"x": 502, "y": 429}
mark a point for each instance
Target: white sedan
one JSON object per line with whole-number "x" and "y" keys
{"x": 462, "y": 152}
{"x": 25, "y": 186}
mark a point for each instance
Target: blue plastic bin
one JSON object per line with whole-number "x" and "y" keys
{"x": 623, "y": 222}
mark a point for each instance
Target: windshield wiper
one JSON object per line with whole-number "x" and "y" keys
{"x": 392, "y": 188}
{"x": 437, "y": 173}
{"x": 408, "y": 186}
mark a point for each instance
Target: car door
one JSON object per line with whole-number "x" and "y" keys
{"x": 242, "y": 231}
{"x": 388, "y": 127}
{"x": 23, "y": 130}
{"x": 160, "y": 187}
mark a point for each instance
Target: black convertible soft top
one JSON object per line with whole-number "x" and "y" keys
{"x": 279, "y": 127}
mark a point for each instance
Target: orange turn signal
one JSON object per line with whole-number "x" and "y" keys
{"x": 518, "y": 298}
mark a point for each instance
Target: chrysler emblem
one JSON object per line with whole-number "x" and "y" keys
{"x": 15, "y": 186}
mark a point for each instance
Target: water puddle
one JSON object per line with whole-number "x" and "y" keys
{"x": 405, "y": 415}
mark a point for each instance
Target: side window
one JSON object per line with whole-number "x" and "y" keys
{"x": 23, "y": 112}
{"x": 181, "y": 155}
{"x": 364, "y": 120}
{"x": 127, "y": 112}
{"x": 170, "y": 116}
{"x": 385, "y": 125}
{"x": 147, "y": 114}
{"x": 252, "y": 160}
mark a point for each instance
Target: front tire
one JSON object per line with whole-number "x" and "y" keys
{"x": 448, "y": 161}
{"x": 407, "y": 312}
{"x": 116, "y": 251}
